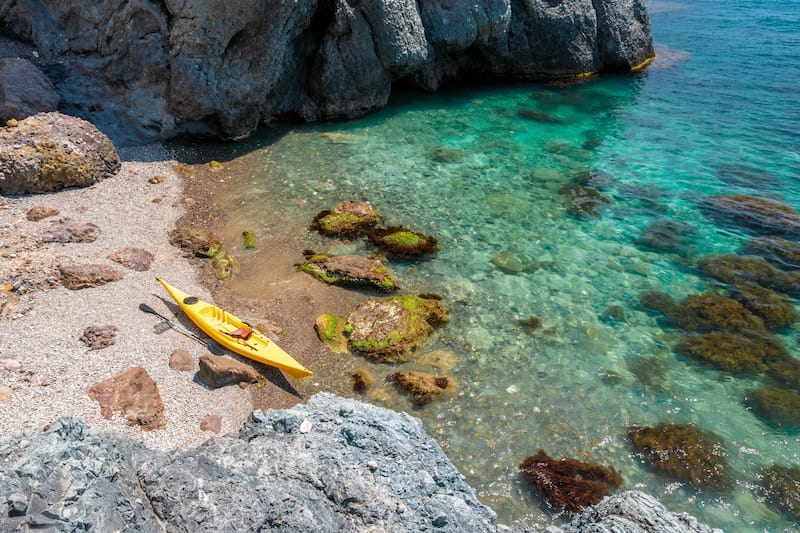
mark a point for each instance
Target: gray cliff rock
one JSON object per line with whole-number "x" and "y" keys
{"x": 24, "y": 90}
{"x": 330, "y": 465}
{"x": 145, "y": 70}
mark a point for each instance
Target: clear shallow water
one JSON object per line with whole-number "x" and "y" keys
{"x": 464, "y": 166}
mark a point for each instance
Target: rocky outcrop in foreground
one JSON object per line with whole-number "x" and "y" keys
{"x": 144, "y": 70}
{"x": 330, "y": 465}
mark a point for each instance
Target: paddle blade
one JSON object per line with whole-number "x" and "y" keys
{"x": 147, "y": 309}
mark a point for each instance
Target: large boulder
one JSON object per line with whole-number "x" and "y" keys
{"x": 24, "y": 90}
{"x": 350, "y": 271}
{"x": 50, "y": 151}
{"x": 148, "y": 70}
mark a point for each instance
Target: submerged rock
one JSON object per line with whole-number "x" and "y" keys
{"x": 742, "y": 269}
{"x": 753, "y": 214}
{"x": 668, "y": 236}
{"x": 421, "y": 386}
{"x": 361, "y": 380}
{"x": 403, "y": 242}
{"x": 584, "y": 202}
{"x": 224, "y": 265}
{"x": 775, "y": 309}
{"x": 734, "y": 352}
{"x": 712, "y": 312}
{"x": 777, "y": 407}
{"x": 780, "y": 487}
{"x": 50, "y": 151}
{"x": 684, "y": 452}
{"x": 392, "y": 329}
{"x": 568, "y": 483}
{"x": 350, "y": 218}
{"x": 780, "y": 252}
{"x": 350, "y": 271}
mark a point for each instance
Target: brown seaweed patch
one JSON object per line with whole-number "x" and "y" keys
{"x": 568, "y": 483}
{"x": 780, "y": 487}
{"x": 684, "y": 452}
{"x": 777, "y": 407}
{"x": 733, "y": 352}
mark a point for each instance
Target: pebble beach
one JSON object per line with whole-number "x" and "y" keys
{"x": 45, "y": 369}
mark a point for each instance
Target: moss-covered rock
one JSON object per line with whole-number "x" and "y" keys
{"x": 775, "y": 310}
{"x": 421, "y": 386}
{"x": 750, "y": 213}
{"x": 403, "y": 242}
{"x": 350, "y": 271}
{"x": 392, "y": 329}
{"x": 350, "y": 218}
{"x": 742, "y": 269}
{"x": 224, "y": 265}
{"x": 733, "y": 352}
{"x": 568, "y": 483}
{"x": 712, "y": 312}
{"x": 202, "y": 242}
{"x": 361, "y": 380}
{"x": 584, "y": 202}
{"x": 685, "y": 453}
{"x": 330, "y": 330}
{"x": 780, "y": 408}
{"x": 780, "y": 487}
{"x": 779, "y": 252}
{"x": 249, "y": 237}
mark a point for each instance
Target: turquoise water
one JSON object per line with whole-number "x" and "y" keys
{"x": 463, "y": 165}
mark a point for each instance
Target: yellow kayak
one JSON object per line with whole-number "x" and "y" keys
{"x": 235, "y": 334}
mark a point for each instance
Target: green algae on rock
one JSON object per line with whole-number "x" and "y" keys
{"x": 740, "y": 269}
{"x": 350, "y": 218}
{"x": 330, "y": 330}
{"x": 776, "y": 406}
{"x": 753, "y": 214}
{"x": 734, "y": 352}
{"x": 403, "y": 242}
{"x": 780, "y": 487}
{"x": 568, "y": 483}
{"x": 684, "y": 452}
{"x": 392, "y": 329}
{"x": 421, "y": 386}
{"x": 224, "y": 265}
{"x": 350, "y": 271}
{"x": 249, "y": 237}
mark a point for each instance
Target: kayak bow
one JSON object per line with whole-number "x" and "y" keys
{"x": 224, "y": 328}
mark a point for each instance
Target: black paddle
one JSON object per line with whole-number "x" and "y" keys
{"x": 212, "y": 346}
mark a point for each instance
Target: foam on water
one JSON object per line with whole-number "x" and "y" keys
{"x": 481, "y": 169}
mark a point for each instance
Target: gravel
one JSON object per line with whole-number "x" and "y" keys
{"x": 42, "y": 359}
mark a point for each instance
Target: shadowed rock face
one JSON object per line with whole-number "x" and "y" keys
{"x": 146, "y": 70}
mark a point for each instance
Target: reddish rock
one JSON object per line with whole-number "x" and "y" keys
{"x": 421, "y": 386}
{"x": 134, "y": 395}
{"x": 39, "y": 212}
{"x": 211, "y": 423}
{"x": 76, "y": 277}
{"x": 181, "y": 360}
{"x": 68, "y": 230}
{"x": 99, "y": 337}
{"x": 133, "y": 258}
{"x": 217, "y": 371}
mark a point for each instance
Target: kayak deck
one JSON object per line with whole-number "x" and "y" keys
{"x": 221, "y": 326}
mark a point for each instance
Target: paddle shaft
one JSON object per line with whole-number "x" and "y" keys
{"x": 212, "y": 346}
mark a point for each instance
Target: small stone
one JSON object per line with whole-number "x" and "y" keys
{"x": 401, "y": 508}
{"x": 5, "y": 393}
{"x": 12, "y": 364}
{"x": 154, "y": 180}
{"x": 134, "y": 258}
{"x": 39, "y": 212}
{"x": 12, "y": 123}
{"x": 211, "y": 423}
{"x": 181, "y": 360}
{"x": 305, "y": 427}
{"x": 99, "y": 337}
{"x": 66, "y": 230}
{"x": 218, "y": 371}
{"x": 76, "y": 277}
{"x": 372, "y": 466}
